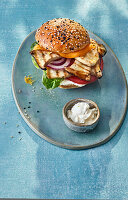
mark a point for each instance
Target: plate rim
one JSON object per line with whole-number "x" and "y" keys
{"x": 52, "y": 141}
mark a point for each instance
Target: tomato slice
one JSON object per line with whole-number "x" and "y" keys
{"x": 75, "y": 79}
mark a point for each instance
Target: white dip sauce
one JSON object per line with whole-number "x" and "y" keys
{"x": 82, "y": 113}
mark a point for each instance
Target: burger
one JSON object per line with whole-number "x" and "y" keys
{"x": 67, "y": 55}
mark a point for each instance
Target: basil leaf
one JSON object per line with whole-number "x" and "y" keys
{"x": 50, "y": 83}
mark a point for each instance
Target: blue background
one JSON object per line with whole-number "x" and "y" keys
{"x": 31, "y": 167}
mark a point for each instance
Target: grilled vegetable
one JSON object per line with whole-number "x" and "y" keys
{"x": 101, "y": 49}
{"x": 51, "y": 73}
{"x": 90, "y": 58}
{"x": 43, "y": 57}
{"x": 98, "y": 70}
{"x": 80, "y": 70}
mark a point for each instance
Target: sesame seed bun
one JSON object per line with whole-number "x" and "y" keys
{"x": 62, "y": 35}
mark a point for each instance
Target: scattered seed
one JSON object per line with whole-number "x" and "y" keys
{"x": 17, "y": 125}
{"x": 29, "y": 102}
{"x": 20, "y": 138}
{"x": 12, "y": 136}
{"x": 5, "y": 122}
{"x": 33, "y": 90}
{"x": 29, "y": 107}
{"x": 24, "y": 108}
{"x": 38, "y": 111}
{"x": 19, "y": 132}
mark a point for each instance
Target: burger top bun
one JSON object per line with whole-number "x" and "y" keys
{"x": 62, "y": 35}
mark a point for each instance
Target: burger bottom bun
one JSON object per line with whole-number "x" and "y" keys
{"x": 68, "y": 86}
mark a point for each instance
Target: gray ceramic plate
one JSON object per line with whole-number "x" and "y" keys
{"x": 110, "y": 93}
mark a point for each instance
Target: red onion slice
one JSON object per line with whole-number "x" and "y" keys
{"x": 67, "y": 63}
{"x": 58, "y": 61}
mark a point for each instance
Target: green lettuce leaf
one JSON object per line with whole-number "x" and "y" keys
{"x": 33, "y": 60}
{"x": 50, "y": 83}
{"x": 35, "y": 63}
{"x": 33, "y": 44}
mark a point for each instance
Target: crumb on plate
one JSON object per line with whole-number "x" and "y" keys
{"x": 28, "y": 80}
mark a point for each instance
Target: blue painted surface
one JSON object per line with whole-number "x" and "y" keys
{"x": 31, "y": 167}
